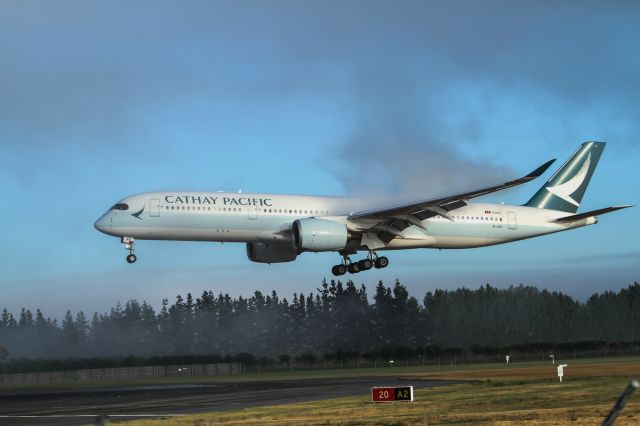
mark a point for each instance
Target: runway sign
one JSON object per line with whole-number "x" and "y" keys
{"x": 391, "y": 394}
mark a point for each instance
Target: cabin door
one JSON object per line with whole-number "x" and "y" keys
{"x": 252, "y": 213}
{"x": 154, "y": 207}
{"x": 513, "y": 221}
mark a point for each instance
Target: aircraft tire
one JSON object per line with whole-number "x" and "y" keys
{"x": 354, "y": 268}
{"x": 131, "y": 258}
{"x": 365, "y": 264}
{"x": 381, "y": 262}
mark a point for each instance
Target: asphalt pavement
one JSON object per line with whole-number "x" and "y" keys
{"x": 91, "y": 406}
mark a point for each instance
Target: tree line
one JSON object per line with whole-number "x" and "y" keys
{"x": 337, "y": 318}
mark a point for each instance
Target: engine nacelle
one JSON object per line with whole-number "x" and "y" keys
{"x": 319, "y": 235}
{"x": 271, "y": 253}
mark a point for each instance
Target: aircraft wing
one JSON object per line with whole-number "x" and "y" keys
{"x": 392, "y": 220}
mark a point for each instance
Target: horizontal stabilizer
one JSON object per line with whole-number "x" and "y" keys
{"x": 590, "y": 214}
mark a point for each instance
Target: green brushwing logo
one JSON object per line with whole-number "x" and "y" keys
{"x": 566, "y": 189}
{"x": 138, "y": 213}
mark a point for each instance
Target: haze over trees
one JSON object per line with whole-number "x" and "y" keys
{"x": 337, "y": 317}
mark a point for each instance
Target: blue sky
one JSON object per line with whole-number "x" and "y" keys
{"x": 99, "y": 100}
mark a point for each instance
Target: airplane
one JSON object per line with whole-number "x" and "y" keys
{"x": 278, "y": 228}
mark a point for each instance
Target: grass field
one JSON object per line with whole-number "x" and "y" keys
{"x": 518, "y": 394}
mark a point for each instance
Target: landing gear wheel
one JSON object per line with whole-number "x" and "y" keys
{"x": 338, "y": 270}
{"x": 365, "y": 264}
{"x": 354, "y": 268}
{"x": 128, "y": 244}
{"x": 381, "y": 262}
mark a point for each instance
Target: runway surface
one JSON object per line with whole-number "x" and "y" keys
{"x": 83, "y": 407}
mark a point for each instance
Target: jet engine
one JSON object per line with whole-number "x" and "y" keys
{"x": 271, "y": 253}
{"x": 319, "y": 235}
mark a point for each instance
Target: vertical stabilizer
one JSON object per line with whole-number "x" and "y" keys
{"x": 564, "y": 190}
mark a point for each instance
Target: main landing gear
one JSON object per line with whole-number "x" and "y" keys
{"x": 372, "y": 261}
{"x": 128, "y": 244}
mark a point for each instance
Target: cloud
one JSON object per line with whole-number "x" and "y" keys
{"x": 401, "y": 146}
{"x": 76, "y": 68}
{"x": 412, "y": 116}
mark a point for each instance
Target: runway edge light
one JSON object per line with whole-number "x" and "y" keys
{"x": 392, "y": 394}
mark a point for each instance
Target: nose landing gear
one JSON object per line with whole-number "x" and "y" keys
{"x": 128, "y": 244}
{"x": 371, "y": 261}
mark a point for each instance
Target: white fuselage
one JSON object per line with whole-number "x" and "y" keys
{"x": 267, "y": 218}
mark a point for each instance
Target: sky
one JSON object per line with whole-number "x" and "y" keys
{"x": 100, "y": 100}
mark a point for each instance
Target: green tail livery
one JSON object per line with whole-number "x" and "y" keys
{"x": 565, "y": 189}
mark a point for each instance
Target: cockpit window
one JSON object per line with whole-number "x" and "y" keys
{"x": 120, "y": 206}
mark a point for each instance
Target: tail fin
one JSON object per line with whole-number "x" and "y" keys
{"x": 564, "y": 190}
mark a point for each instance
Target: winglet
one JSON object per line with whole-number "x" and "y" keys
{"x": 540, "y": 170}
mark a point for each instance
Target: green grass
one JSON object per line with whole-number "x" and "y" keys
{"x": 582, "y": 401}
{"x": 438, "y": 370}
{"x": 526, "y": 393}
{"x": 521, "y": 393}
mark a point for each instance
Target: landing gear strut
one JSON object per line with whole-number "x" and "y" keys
{"x": 372, "y": 260}
{"x": 128, "y": 244}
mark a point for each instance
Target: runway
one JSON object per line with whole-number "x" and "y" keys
{"x": 65, "y": 407}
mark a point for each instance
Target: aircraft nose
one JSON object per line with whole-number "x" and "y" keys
{"x": 103, "y": 224}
